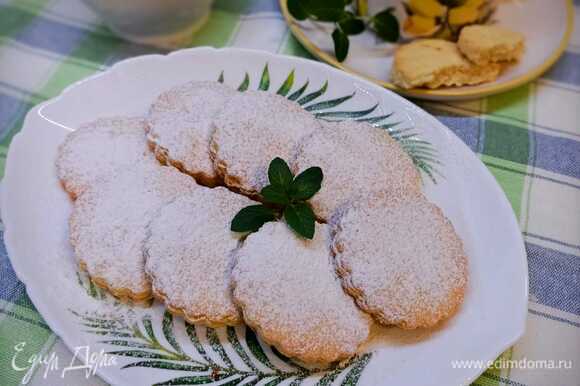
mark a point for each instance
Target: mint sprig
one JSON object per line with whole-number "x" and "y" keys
{"x": 384, "y": 24}
{"x": 286, "y": 196}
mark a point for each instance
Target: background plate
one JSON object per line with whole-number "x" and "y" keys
{"x": 35, "y": 211}
{"x": 547, "y": 26}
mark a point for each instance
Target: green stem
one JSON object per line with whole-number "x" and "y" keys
{"x": 155, "y": 345}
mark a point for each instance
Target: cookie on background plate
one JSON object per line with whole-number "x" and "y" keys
{"x": 180, "y": 124}
{"x": 109, "y": 221}
{"x": 189, "y": 255}
{"x": 252, "y": 129}
{"x": 100, "y": 148}
{"x": 287, "y": 289}
{"x": 401, "y": 260}
{"x": 483, "y": 44}
{"x": 434, "y": 63}
{"x": 357, "y": 159}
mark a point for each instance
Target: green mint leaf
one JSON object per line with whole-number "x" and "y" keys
{"x": 341, "y": 44}
{"x": 251, "y": 218}
{"x": 297, "y": 10}
{"x": 386, "y": 25}
{"x": 350, "y": 25}
{"x": 274, "y": 194}
{"x": 306, "y": 184}
{"x": 324, "y": 10}
{"x": 279, "y": 173}
{"x": 300, "y": 218}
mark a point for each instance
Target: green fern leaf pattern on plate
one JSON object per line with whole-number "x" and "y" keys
{"x": 241, "y": 360}
{"x": 91, "y": 289}
{"x": 287, "y": 85}
{"x": 313, "y": 95}
{"x": 265, "y": 79}
{"x": 245, "y": 83}
{"x": 298, "y": 93}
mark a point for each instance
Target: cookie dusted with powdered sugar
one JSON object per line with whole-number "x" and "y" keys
{"x": 100, "y": 148}
{"x": 109, "y": 220}
{"x": 180, "y": 125}
{"x": 357, "y": 159}
{"x": 401, "y": 260}
{"x": 252, "y": 129}
{"x": 189, "y": 255}
{"x": 289, "y": 294}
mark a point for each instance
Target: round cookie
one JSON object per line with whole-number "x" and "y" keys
{"x": 357, "y": 159}
{"x": 100, "y": 148}
{"x": 435, "y": 63}
{"x": 189, "y": 255}
{"x": 401, "y": 260}
{"x": 484, "y": 44}
{"x": 252, "y": 129}
{"x": 289, "y": 294}
{"x": 109, "y": 220}
{"x": 180, "y": 124}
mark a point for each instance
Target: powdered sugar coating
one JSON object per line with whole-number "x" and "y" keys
{"x": 401, "y": 260}
{"x": 250, "y": 131}
{"x": 289, "y": 293}
{"x": 100, "y": 148}
{"x": 357, "y": 159}
{"x": 109, "y": 220}
{"x": 189, "y": 255}
{"x": 180, "y": 125}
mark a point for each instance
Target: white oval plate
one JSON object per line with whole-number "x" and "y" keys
{"x": 373, "y": 59}
{"x": 35, "y": 211}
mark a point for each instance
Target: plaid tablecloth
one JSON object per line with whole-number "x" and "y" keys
{"x": 529, "y": 139}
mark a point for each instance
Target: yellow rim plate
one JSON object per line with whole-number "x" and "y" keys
{"x": 452, "y": 93}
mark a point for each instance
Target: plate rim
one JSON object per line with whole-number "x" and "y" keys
{"x": 451, "y": 93}
{"x": 44, "y": 308}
